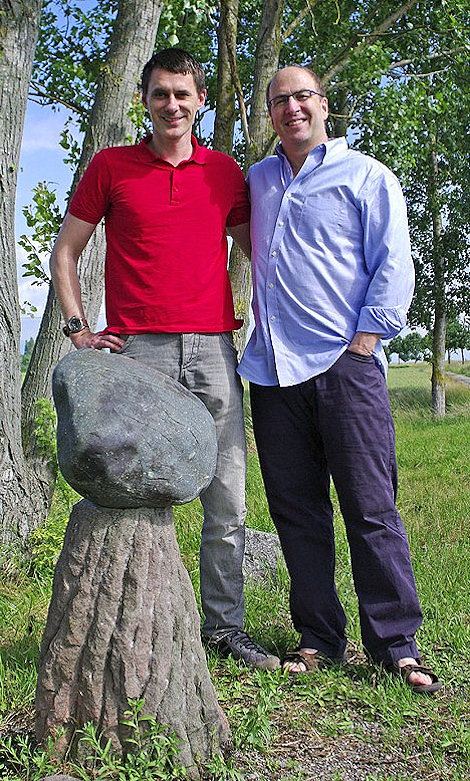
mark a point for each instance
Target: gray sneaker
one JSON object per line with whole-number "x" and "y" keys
{"x": 240, "y": 645}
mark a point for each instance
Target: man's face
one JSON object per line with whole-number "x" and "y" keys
{"x": 172, "y": 101}
{"x": 298, "y": 124}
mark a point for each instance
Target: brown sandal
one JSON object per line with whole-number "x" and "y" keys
{"x": 312, "y": 661}
{"x": 421, "y": 688}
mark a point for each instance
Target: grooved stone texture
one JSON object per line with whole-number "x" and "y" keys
{"x": 123, "y": 622}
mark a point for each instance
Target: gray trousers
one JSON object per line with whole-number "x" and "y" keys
{"x": 206, "y": 365}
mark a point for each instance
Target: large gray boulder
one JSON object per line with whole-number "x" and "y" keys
{"x": 128, "y": 435}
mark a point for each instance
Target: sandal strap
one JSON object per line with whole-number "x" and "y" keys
{"x": 310, "y": 661}
{"x": 408, "y": 669}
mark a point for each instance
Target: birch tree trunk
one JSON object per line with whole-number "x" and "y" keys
{"x": 131, "y": 46}
{"x": 22, "y": 495}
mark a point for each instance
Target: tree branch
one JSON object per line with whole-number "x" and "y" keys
{"x": 310, "y": 4}
{"x": 358, "y": 42}
{"x": 430, "y": 56}
{"x": 238, "y": 88}
{"x": 37, "y": 92}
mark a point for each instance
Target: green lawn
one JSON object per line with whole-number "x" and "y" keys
{"x": 344, "y": 723}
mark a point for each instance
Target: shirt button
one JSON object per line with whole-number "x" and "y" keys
{"x": 274, "y": 253}
{"x": 288, "y": 195}
{"x": 273, "y": 317}
{"x": 281, "y": 223}
{"x": 270, "y": 285}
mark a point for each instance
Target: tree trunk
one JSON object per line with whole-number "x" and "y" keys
{"x": 340, "y": 120}
{"x": 224, "y": 122}
{"x": 131, "y": 46}
{"x": 267, "y": 59}
{"x": 22, "y": 496}
{"x": 438, "y": 391}
{"x": 123, "y": 624}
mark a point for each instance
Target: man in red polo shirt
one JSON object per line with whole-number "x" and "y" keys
{"x": 167, "y": 204}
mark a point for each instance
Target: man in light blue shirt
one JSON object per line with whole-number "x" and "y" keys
{"x": 332, "y": 275}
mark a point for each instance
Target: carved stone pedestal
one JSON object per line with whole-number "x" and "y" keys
{"x": 123, "y": 622}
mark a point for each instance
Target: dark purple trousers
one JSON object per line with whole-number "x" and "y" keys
{"x": 339, "y": 424}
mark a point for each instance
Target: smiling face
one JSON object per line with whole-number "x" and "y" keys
{"x": 172, "y": 100}
{"x": 300, "y": 126}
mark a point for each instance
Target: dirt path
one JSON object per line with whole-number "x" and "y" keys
{"x": 459, "y": 377}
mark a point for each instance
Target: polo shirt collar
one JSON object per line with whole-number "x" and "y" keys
{"x": 199, "y": 154}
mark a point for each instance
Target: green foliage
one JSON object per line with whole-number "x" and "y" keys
{"x": 21, "y": 760}
{"x": 184, "y": 13}
{"x": 417, "y": 123}
{"x": 45, "y": 424}
{"x": 28, "y": 309}
{"x": 24, "y": 600}
{"x": 152, "y": 751}
{"x": 70, "y": 144}
{"x": 457, "y": 336}
{"x": 44, "y": 217}
{"x": 26, "y": 357}
{"x": 412, "y": 347}
{"x": 46, "y": 540}
{"x": 69, "y": 54}
{"x": 253, "y": 716}
{"x": 139, "y": 118}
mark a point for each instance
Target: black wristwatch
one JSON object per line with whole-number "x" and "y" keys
{"x": 74, "y": 325}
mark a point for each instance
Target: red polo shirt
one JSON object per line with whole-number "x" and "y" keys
{"x": 166, "y": 258}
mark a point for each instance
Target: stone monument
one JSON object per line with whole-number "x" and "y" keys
{"x": 123, "y": 622}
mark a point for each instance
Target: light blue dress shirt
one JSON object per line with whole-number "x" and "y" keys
{"x": 330, "y": 256}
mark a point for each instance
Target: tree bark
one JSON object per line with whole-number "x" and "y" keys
{"x": 438, "y": 390}
{"x": 267, "y": 59}
{"x": 131, "y": 46}
{"x": 224, "y": 122}
{"x": 22, "y": 496}
{"x": 123, "y": 625}
{"x": 340, "y": 120}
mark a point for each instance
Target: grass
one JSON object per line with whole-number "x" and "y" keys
{"x": 457, "y": 367}
{"x": 353, "y": 722}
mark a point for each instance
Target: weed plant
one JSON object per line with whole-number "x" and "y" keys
{"x": 353, "y": 721}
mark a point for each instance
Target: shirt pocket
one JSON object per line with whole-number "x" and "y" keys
{"x": 320, "y": 213}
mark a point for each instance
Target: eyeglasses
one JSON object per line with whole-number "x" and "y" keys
{"x": 300, "y": 96}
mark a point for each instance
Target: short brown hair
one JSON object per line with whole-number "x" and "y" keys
{"x": 174, "y": 61}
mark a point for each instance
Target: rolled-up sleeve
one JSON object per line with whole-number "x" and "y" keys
{"x": 387, "y": 254}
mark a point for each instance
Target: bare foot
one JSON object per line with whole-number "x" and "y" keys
{"x": 415, "y": 678}
{"x": 292, "y": 667}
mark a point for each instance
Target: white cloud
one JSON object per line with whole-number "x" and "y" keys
{"x": 42, "y": 132}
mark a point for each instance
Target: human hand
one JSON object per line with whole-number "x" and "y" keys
{"x": 98, "y": 341}
{"x": 363, "y": 343}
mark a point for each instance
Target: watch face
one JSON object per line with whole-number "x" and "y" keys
{"x": 75, "y": 325}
